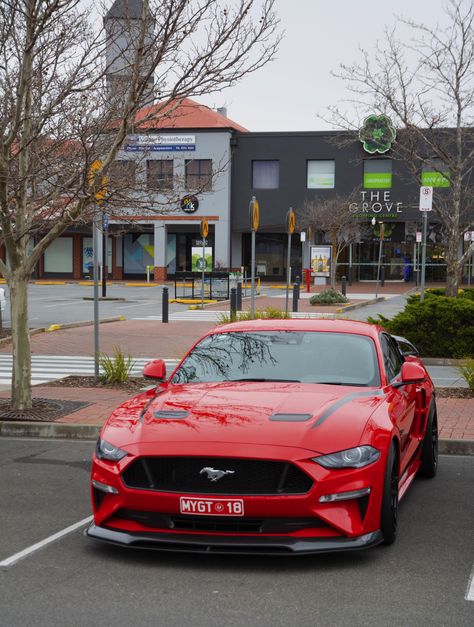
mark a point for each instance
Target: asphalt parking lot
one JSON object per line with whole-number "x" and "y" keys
{"x": 420, "y": 580}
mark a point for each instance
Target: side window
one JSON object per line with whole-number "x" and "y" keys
{"x": 392, "y": 357}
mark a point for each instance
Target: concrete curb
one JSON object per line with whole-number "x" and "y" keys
{"x": 67, "y": 431}
{"x": 67, "y": 325}
{"x": 363, "y": 303}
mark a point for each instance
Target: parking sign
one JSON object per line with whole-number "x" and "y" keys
{"x": 426, "y": 198}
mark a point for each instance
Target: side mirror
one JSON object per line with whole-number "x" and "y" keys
{"x": 155, "y": 369}
{"x": 411, "y": 373}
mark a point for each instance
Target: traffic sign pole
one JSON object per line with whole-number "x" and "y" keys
{"x": 290, "y": 219}
{"x": 426, "y": 204}
{"x": 254, "y": 211}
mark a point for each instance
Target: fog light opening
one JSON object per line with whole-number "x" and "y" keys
{"x": 103, "y": 487}
{"x": 344, "y": 496}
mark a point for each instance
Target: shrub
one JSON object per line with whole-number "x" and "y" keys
{"x": 117, "y": 368}
{"x": 465, "y": 292}
{"x": 328, "y": 297}
{"x": 439, "y": 327}
{"x": 260, "y": 314}
{"x": 467, "y": 371}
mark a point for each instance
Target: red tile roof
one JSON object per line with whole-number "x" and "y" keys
{"x": 187, "y": 114}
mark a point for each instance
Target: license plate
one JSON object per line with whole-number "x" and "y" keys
{"x": 211, "y": 507}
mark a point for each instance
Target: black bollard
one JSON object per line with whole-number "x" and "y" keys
{"x": 344, "y": 285}
{"x": 239, "y": 296}
{"x": 164, "y": 305}
{"x": 349, "y": 275}
{"x": 382, "y": 276}
{"x": 296, "y": 290}
{"x": 298, "y": 280}
{"x": 233, "y": 302}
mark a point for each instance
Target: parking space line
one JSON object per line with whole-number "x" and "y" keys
{"x": 9, "y": 561}
{"x": 470, "y": 587}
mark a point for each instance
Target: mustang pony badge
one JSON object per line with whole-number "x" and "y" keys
{"x": 215, "y": 475}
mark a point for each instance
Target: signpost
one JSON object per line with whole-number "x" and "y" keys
{"x": 291, "y": 223}
{"x": 426, "y": 204}
{"x": 105, "y": 240}
{"x": 204, "y": 234}
{"x": 254, "y": 214}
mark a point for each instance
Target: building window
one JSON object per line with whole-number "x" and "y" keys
{"x": 122, "y": 175}
{"x": 321, "y": 174}
{"x": 265, "y": 174}
{"x": 435, "y": 174}
{"x": 159, "y": 174}
{"x": 377, "y": 174}
{"x": 198, "y": 174}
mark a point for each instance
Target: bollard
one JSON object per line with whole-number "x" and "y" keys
{"x": 164, "y": 305}
{"x": 382, "y": 276}
{"x": 344, "y": 285}
{"x": 239, "y": 295}
{"x": 296, "y": 290}
{"x": 307, "y": 273}
{"x": 298, "y": 280}
{"x": 349, "y": 275}
{"x": 233, "y": 302}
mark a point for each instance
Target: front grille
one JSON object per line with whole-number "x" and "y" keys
{"x": 219, "y": 523}
{"x": 248, "y": 476}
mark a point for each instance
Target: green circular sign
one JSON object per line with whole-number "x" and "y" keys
{"x": 377, "y": 134}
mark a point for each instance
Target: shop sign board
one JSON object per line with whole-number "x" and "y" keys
{"x": 320, "y": 260}
{"x": 200, "y": 263}
{"x": 435, "y": 179}
{"x": 159, "y": 143}
{"x": 418, "y": 236}
{"x": 189, "y": 204}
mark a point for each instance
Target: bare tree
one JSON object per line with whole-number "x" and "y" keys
{"x": 61, "y": 130}
{"x": 333, "y": 218}
{"x": 426, "y": 86}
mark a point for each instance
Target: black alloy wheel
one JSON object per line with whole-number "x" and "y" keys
{"x": 389, "y": 513}
{"x": 429, "y": 451}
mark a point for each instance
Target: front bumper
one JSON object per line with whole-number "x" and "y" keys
{"x": 191, "y": 543}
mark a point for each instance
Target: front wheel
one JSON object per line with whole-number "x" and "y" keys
{"x": 429, "y": 451}
{"x": 389, "y": 512}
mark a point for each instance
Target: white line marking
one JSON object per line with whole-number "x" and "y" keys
{"x": 470, "y": 587}
{"x": 9, "y": 561}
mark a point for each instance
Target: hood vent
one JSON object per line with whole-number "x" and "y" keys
{"x": 290, "y": 417}
{"x": 170, "y": 415}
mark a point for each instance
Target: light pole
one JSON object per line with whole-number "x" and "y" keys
{"x": 382, "y": 232}
{"x": 254, "y": 215}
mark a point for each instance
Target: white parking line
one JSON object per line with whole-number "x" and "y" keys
{"x": 470, "y": 587}
{"x": 9, "y": 561}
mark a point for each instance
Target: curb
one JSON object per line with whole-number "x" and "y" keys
{"x": 67, "y": 325}
{"x": 67, "y": 431}
{"x": 363, "y": 303}
{"x": 441, "y": 361}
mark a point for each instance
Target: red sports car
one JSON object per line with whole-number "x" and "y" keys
{"x": 271, "y": 436}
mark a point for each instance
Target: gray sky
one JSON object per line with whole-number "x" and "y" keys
{"x": 287, "y": 94}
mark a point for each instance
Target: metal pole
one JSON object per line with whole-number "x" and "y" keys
{"x": 343, "y": 285}
{"x": 104, "y": 261}
{"x": 415, "y": 273}
{"x": 239, "y": 295}
{"x": 378, "y": 267}
{"x": 288, "y": 273}
{"x": 164, "y": 305}
{"x": 233, "y": 303}
{"x": 350, "y": 264}
{"x": 202, "y": 278}
{"x": 95, "y": 262}
{"x": 252, "y": 278}
{"x": 423, "y": 255}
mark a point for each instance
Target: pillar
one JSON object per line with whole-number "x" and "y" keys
{"x": 160, "y": 241}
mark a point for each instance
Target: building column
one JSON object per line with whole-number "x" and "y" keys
{"x": 221, "y": 243}
{"x": 160, "y": 242}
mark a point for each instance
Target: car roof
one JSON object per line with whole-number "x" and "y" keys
{"x": 323, "y": 325}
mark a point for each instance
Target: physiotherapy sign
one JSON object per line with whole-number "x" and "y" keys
{"x": 377, "y": 134}
{"x": 159, "y": 143}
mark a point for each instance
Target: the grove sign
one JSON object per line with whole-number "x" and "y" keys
{"x": 376, "y": 203}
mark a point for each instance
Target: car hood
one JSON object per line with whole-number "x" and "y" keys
{"x": 320, "y": 418}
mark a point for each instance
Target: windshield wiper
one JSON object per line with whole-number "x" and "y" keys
{"x": 263, "y": 379}
{"x": 339, "y": 383}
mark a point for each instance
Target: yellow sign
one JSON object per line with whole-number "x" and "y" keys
{"x": 101, "y": 193}
{"x": 254, "y": 214}
{"x": 204, "y": 228}
{"x": 291, "y": 221}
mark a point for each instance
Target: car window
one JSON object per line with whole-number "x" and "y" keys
{"x": 392, "y": 356}
{"x": 307, "y": 357}
{"x": 406, "y": 348}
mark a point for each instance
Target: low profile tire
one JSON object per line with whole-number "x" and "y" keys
{"x": 389, "y": 513}
{"x": 429, "y": 451}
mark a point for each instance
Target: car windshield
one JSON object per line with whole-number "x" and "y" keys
{"x": 293, "y": 356}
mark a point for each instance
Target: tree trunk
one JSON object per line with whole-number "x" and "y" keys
{"x": 453, "y": 267}
{"x": 335, "y": 255}
{"x": 21, "y": 377}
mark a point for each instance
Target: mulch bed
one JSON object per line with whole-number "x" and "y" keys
{"x": 44, "y": 409}
{"x": 454, "y": 393}
{"x": 133, "y": 385}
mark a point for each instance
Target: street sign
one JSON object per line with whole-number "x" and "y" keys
{"x": 426, "y": 198}
{"x": 101, "y": 193}
{"x": 418, "y": 236}
{"x": 254, "y": 210}
{"x": 105, "y": 220}
{"x": 291, "y": 220}
{"x": 204, "y": 228}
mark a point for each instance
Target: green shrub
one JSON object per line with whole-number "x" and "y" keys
{"x": 260, "y": 314}
{"x": 328, "y": 297}
{"x": 116, "y": 369}
{"x": 464, "y": 292}
{"x": 439, "y": 327}
{"x": 467, "y": 371}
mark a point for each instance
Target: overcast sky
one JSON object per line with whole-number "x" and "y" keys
{"x": 287, "y": 94}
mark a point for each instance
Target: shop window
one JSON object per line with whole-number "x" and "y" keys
{"x": 122, "y": 175}
{"x": 58, "y": 256}
{"x": 377, "y": 174}
{"x": 159, "y": 174}
{"x": 435, "y": 174}
{"x": 265, "y": 174}
{"x": 321, "y": 174}
{"x": 198, "y": 174}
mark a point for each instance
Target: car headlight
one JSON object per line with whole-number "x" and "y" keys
{"x": 105, "y": 450}
{"x": 350, "y": 458}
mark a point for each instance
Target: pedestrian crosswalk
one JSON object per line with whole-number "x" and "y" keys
{"x": 46, "y": 368}
{"x": 217, "y": 316}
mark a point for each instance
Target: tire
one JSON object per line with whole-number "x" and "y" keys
{"x": 429, "y": 450}
{"x": 389, "y": 511}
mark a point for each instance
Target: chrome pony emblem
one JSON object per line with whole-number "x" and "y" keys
{"x": 214, "y": 475}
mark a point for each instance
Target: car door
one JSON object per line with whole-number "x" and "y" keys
{"x": 402, "y": 399}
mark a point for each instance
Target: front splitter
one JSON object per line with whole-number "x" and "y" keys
{"x": 275, "y": 545}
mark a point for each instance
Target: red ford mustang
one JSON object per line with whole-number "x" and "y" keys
{"x": 274, "y": 436}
